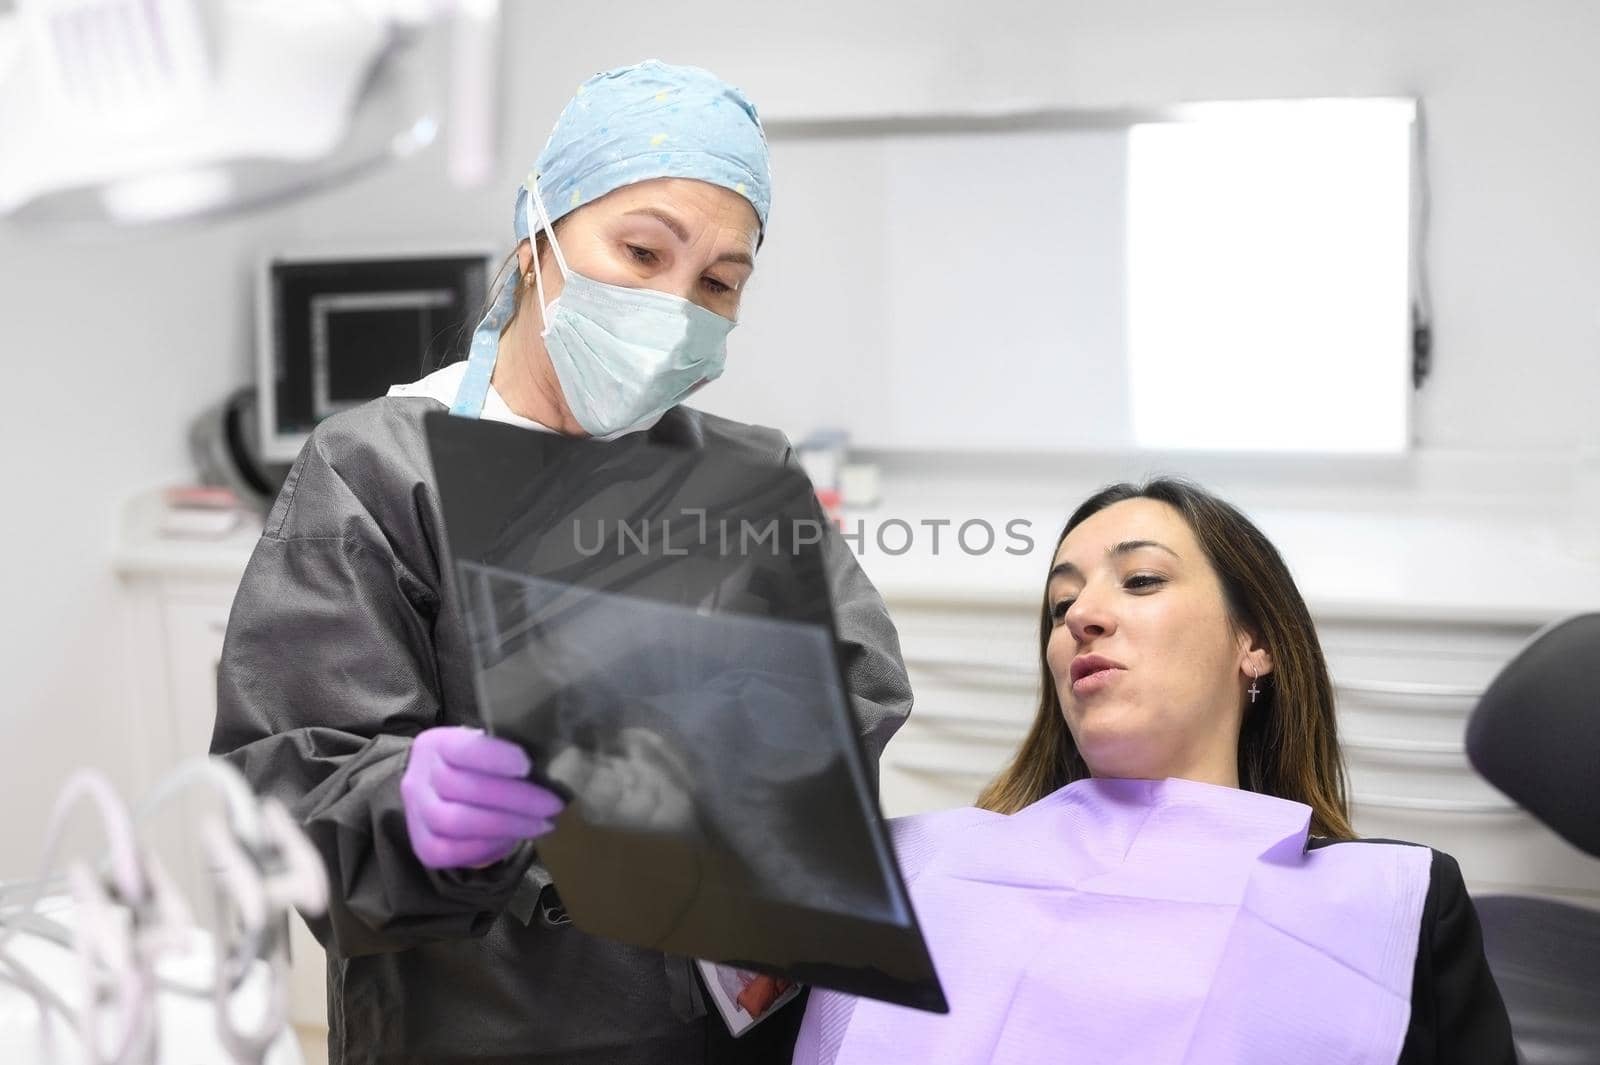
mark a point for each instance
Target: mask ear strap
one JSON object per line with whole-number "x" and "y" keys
{"x": 539, "y": 218}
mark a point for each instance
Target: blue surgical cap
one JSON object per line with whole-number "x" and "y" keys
{"x": 651, "y": 120}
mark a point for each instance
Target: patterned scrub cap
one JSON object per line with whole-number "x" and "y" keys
{"x": 651, "y": 120}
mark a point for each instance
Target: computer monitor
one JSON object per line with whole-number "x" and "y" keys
{"x": 337, "y": 328}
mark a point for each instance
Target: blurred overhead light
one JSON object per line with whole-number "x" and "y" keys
{"x": 127, "y": 112}
{"x": 168, "y": 194}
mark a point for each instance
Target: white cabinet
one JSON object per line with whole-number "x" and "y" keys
{"x": 975, "y": 681}
{"x": 177, "y": 599}
{"x": 195, "y": 624}
{"x": 1403, "y": 692}
{"x": 175, "y": 627}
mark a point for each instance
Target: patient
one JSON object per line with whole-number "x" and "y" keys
{"x": 1165, "y": 873}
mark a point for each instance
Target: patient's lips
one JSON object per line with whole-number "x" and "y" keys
{"x": 1092, "y": 673}
{"x": 1097, "y": 681}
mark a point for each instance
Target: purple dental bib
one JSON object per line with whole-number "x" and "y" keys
{"x": 1157, "y": 922}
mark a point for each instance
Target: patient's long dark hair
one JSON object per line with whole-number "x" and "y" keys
{"x": 1288, "y": 742}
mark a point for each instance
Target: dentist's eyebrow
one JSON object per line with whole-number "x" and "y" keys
{"x": 1067, "y": 569}
{"x": 665, "y": 219}
{"x": 743, "y": 258}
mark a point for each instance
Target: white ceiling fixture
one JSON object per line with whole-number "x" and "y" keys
{"x": 131, "y": 112}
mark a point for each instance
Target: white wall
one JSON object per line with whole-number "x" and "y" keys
{"x": 110, "y": 348}
{"x": 1511, "y": 92}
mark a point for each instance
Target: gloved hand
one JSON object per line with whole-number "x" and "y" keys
{"x": 466, "y": 800}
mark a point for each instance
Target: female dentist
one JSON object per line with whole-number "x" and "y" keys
{"x": 345, "y": 687}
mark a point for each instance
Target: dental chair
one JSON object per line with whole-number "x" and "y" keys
{"x": 1535, "y": 735}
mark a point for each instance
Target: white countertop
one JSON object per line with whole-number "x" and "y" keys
{"x": 140, "y": 550}
{"x": 1490, "y": 564}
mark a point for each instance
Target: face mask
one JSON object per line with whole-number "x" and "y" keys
{"x": 624, "y": 356}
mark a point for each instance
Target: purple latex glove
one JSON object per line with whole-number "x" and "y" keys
{"x": 467, "y": 801}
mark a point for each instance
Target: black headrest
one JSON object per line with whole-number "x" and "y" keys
{"x": 1535, "y": 733}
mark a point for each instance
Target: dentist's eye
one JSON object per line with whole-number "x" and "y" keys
{"x": 1146, "y": 579}
{"x": 643, "y": 256}
{"x": 716, "y": 287}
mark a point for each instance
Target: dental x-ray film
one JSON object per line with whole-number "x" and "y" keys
{"x": 650, "y": 620}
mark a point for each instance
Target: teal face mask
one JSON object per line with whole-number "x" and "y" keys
{"x": 624, "y": 356}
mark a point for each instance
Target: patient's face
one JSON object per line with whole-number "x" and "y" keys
{"x": 1174, "y": 707}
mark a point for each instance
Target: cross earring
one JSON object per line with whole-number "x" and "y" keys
{"x": 1254, "y": 691}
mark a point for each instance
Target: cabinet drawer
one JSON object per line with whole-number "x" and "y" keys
{"x": 1442, "y": 652}
{"x": 1413, "y": 686}
{"x": 1004, "y": 640}
{"x": 1447, "y": 781}
{"x": 957, "y": 698}
{"x": 1421, "y": 666}
{"x": 918, "y": 776}
{"x": 195, "y": 623}
{"x": 970, "y": 667}
{"x": 975, "y": 686}
{"x": 1502, "y": 852}
{"x": 195, "y": 627}
{"x": 938, "y": 761}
